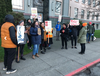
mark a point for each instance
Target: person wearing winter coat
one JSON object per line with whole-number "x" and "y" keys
{"x": 43, "y": 38}
{"x": 89, "y": 31}
{"x": 74, "y": 34}
{"x": 82, "y": 38}
{"x": 9, "y": 43}
{"x": 35, "y": 32}
{"x": 64, "y": 35}
{"x": 58, "y": 28}
{"x": 93, "y": 30}
{"x": 21, "y": 45}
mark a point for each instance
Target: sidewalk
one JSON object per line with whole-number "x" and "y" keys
{"x": 56, "y": 62}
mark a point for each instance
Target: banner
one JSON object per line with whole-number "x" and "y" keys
{"x": 34, "y": 13}
{"x": 74, "y": 22}
{"x": 20, "y": 34}
{"x": 48, "y": 25}
{"x": 59, "y": 18}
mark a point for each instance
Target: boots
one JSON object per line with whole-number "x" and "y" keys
{"x": 37, "y": 55}
{"x": 17, "y": 60}
{"x": 33, "y": 56}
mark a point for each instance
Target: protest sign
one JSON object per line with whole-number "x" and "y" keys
{"x": 59, "y": 18}
{"x": 20, "y": 34}
{"x": 74, "y": 22}
{"x": 34, "y": 13}
{"x": 40, "y": 17}
{"x": 48, "y": 25}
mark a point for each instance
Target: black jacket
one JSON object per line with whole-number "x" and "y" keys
{"x": 10, "y": 18}
{"x": 93, "y": 29}
{"x": 65, "y": 34}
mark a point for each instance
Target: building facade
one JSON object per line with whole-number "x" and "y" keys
{"x": 85, "y": 10}
{"x": 49, "y": 9}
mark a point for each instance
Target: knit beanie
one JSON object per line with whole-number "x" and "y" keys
{"x": 84, "y": 24}
{"x": 20, "y": 22}
{"x": 90, "y": 22}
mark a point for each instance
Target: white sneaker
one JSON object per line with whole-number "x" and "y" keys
{"x": 11, "y": 71}
{"x": 4, "y": 69}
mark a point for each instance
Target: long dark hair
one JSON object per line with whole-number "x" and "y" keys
{"x": 33, "y": 24}
{"x": 41, "y": 24}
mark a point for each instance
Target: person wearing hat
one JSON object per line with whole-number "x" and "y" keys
{"x": 9, "y": 43}
{"x": 93, "y": 30}
{"x": 89, "y": 31}
{"x": 21, "y": 45}
{"x": 82, "y": 37}
{"x": 64, "y": 35}
{"x": 58, "y": 28}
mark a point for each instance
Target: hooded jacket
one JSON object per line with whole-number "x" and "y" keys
{"x": 58, "y": 27}
{"x": 8, "y": 30}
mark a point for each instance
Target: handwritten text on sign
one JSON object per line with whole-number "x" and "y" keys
{"x": 74, "y": 22}
{"x": 48, "y": 25}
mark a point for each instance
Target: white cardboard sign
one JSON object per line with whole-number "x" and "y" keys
{"x": 48, "y": 25}
{"x": 59, "y": 18}
{"x": 34, "y": 13}
{"x": 20, "y": 34}
{"x": 74, "y": 22}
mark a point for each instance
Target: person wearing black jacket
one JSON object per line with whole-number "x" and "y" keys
{"x": 64, "y": 35}
{"x": 9, "y": 43}
{"x": 74, "y": 34}
{"x": 93, "y": 30}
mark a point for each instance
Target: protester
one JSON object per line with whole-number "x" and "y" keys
{"x": 58, "y": 28}
{"x": 82, "y": 38}
{"x": 9, "y": 43}
{"x": 89, "y": 31}
{"x": 93, "y": 30}
{"x": 43, "y": 38}
{"x": 49, "y": 36}
{"x": 21, "y": 45}
{"x": 64, "y": 35}
{"x": 74, "y": 33}
{"x": 29, "y": 23}
{"x": 35, "y": 33}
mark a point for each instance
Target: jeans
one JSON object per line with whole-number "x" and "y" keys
{"x": 57, "y": 35}
{"x": 88, "y": 37}
{"x": 35, "y": 49}
{"x": 64, "y": 40}
{"x": 82, "y": 47}
{"x": 74, "y": 40}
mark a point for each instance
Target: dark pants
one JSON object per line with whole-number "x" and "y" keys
{"x": 43, "y": 44}
{"x": 57, "y": 35}
{"x": 64, "y": 40}
{"x": 9, "y": 57}
{"x": 88, "y": 37}
{"x": 82, "y": 48}
{"x": 29, "y": 44}
{"x": 73, "y": 38}
{"x": 92, "y": 37}
{"x": 21, "y": 50}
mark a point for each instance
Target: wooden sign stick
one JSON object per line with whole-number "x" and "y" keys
{"x": 18, "y": 52}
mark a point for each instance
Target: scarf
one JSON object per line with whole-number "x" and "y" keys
{"x": 45, "y": 38}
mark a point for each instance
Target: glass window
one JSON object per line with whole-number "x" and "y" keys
{"x": 97, "y": 16}
{"x": 77, "y": 0}
{"x": 88, "y": 14}
{"x": 17, "y": 4}
{"x": 93, "y": 15}
{"x": 89, "y": 2}
{"x": 82, "y": 13}
{"x": 76, "y": 12}
{"x": 83, "y": 1}
{"x": 94, "y": 3}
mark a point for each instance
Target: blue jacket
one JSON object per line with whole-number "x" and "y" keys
{"x": 35, "y": 38}
{"x": 58, "y": 27}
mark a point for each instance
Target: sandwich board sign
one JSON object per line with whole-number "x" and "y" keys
{"x": 20, "y": 34}
{"x": 74, "y": 22}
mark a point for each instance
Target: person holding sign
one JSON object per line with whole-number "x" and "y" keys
{"x": 82, "y": 37}
{"x": 35, "y": 33}
{"x": 58, "y": 28}
{"x": 9, "y": 43}
{"x": 22, "y": 44}
{"x": 43, "y": 38}
{"x": 64, "y": 35}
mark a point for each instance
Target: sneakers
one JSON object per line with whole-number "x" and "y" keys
{"x": 22, "y": 58}
{"x": 33, "y": 56}
{"x": 4, "y": 68}
{"x": 42, "y": 52}
{"x": 11, "y": 71}
{"x": 17, "y": 61}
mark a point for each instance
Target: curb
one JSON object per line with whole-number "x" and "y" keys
{"x": 82, "y": 68}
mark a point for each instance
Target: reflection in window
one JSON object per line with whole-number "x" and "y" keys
{"x": 97, "y": 16}
{"x": 93, "y": 15}
{"x": 83, "y": 1}
{"x": 76, "y": 12}
{"x": 17, "y": 4}
{"x": 94, "y": 3}
{"x": 88, "y": 14}
{"x": 77, "y": 0}
{"x": 82, "y": 13}
{"x": 89, "y": 2}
